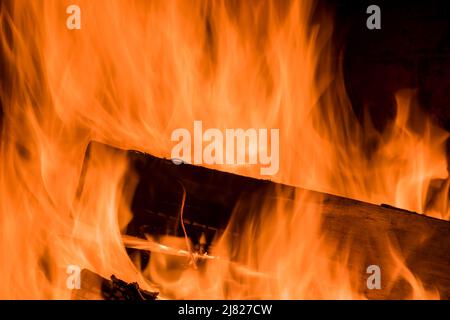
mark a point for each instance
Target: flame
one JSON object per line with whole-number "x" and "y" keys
{"x": 136, "y": 71}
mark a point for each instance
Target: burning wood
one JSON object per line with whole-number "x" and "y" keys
{"x": 123, "y": 80}
{"x": 398, "y": 241}
{"x": 372, "y": 234}
{"x": 95, "y": 287}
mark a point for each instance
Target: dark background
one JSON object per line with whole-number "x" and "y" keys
{"x": 412, "y": 50}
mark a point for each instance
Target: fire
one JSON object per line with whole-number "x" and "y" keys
{"x": 136, "y": 71}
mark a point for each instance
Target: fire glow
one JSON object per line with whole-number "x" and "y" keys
{"x": 137, "y": 71}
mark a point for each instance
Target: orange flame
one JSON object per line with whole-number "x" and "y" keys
{"x": 136, "y": 71}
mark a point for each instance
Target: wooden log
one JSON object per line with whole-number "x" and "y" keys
{"x": 398, "y": 241}
{"x": 90, "y": 286}
{"x": 95, "y": 287}
{"x": 373, "y": 234}
{"x": 370, "y": 234}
